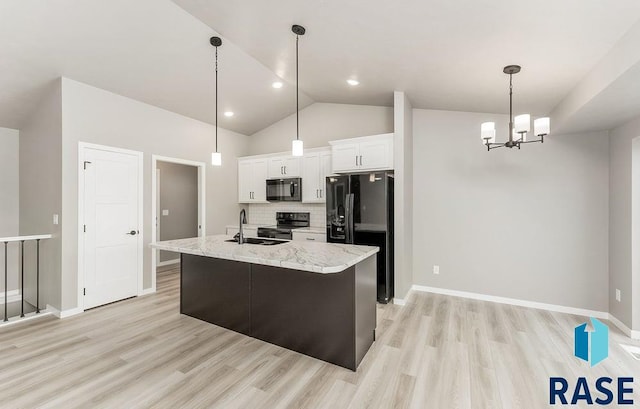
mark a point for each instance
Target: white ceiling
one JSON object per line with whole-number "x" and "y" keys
{"x": 149, "y": 50}
{"x": 444, "y": 54}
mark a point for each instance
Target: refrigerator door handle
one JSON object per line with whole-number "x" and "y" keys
{"x": 349, "y": 219}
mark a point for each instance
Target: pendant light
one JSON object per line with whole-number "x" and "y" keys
{"x": 297, "y": 146}
{"x": 518, "y": 126}
{"x": 216, "y": 157}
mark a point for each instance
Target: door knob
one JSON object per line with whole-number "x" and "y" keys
{"x": 132, "y": 233}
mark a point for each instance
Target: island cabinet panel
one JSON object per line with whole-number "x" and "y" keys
{"x": 306, "y": 312}
{"x": 216, "y": 291}
{"x": 328, "y": 316}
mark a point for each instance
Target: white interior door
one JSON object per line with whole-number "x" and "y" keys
{"x": 111, "y": 226}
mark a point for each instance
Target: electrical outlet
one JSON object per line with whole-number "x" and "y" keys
{"x": 436, "y": 269}
{"x": 618, "y": 296}
{"x": 165, "y": 212}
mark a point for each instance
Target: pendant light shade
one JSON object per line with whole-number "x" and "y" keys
{"x": 297, "y": 146}
{"x": 216, "y": 157}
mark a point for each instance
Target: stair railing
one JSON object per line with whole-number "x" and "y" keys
{"x": 21, "y": 240}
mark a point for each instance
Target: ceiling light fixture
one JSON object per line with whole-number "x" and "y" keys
{"x": 216, "y": 157}
{"x": 518, "y": 126}
{"x": 277, "y": 85}
{"x": 297, "y": 146}
{"x": 229, "y": 114}
{"x": 353, "y": 82}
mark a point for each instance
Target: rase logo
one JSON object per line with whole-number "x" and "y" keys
{"x": 592, "y": 347}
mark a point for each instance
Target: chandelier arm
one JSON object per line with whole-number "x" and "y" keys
{"x": 541, "y": 140}
{"x": 495, "y": 146}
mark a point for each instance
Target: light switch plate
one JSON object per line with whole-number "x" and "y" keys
{"x": 165, "y": 212}
{"x": 618, "y": 295}
{"x": 56, "y": 219}
{"x": 436, "y": 269}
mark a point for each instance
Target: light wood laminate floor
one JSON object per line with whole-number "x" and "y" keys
{"x": 435, "y": 352}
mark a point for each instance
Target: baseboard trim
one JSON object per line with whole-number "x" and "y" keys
{"x": 12, "y": 296}
{"x": 622, "y": 327}
{"x": 27, "y": 317}
{"x": 513, "y": 301}
{"x": 65, "y": 313}
{"x": 147, "y": 291}
{"x": 399, "y": 301}
{"x": 168, "y": 262}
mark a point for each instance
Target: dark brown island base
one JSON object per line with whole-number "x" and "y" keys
{"x": 322, "y": 304}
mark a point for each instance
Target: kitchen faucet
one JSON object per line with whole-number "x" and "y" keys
{"x": 243, "y": 219}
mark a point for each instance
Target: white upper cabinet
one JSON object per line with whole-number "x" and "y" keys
{"x": 316, "y": 167}
{"x": 362, "y": 154}
{"x": 284, "y": 167}
{"x": 252, "y": 176}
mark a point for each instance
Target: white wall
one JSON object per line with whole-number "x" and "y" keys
{"x": 624, "y": 185}
{"x": 41, "y": 188}
{"x": 9, "y": 200}
{"x": 97, "y": 116}
{"x": 529, "y": 224}
{"x": 403, "y": 195}
{"x": 321, "y": 123}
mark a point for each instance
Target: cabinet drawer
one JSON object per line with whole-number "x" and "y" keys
{"x": 306, "y": 236}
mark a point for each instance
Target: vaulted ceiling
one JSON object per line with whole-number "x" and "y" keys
{"x": 443, "y": 54}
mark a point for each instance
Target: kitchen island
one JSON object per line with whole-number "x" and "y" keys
{"x": 315, "y": 298}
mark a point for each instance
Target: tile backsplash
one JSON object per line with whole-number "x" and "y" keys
{"x": 259, "y": 213}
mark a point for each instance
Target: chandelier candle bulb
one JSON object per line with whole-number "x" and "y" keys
{"x": 541, "y": 126}
{"x": 522, "y": 123}
{"x": 488, "y": 132}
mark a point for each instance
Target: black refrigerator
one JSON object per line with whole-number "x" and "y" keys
{"x": 360, "y": 211}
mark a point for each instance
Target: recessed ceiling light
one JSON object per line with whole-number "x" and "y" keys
{"x": 228, "y": 114}
{"x": 277, "y": 85}
{"x": 353, "y": 82}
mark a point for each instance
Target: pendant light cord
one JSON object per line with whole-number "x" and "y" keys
{"x": 297, "y": 94}
{"x": 511, "y": 107}
{"x": 216, "y": 99}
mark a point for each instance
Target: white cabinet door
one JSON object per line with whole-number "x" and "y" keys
{"x": 259, "y": 170}
{"x": 311, "y": 178}
{"x": 375, "y": 155}
{"x": 345, "y": 157}
{"x": 276, "y": 168}
{"x": 292, "y": 167}
{"x": 252, "y": 176}
{"x": 325, "y": 170}
{"x": 245, "y": 181}
{"x": 284, "y": 167}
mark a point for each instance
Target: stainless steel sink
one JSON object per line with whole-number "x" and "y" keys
{"x": 259, "y": 241}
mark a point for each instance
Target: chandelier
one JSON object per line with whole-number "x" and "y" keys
{"x": 518, "y": 126}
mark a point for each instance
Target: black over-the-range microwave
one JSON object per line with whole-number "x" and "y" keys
{"x": 284, "y": 190}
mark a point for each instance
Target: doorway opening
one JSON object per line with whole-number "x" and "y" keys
{"x": 178, "y": 206}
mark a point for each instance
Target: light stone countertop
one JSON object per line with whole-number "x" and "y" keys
{"x": 314, "y": 257}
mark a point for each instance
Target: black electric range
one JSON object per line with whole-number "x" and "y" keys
{"x": 286, "y": 223}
